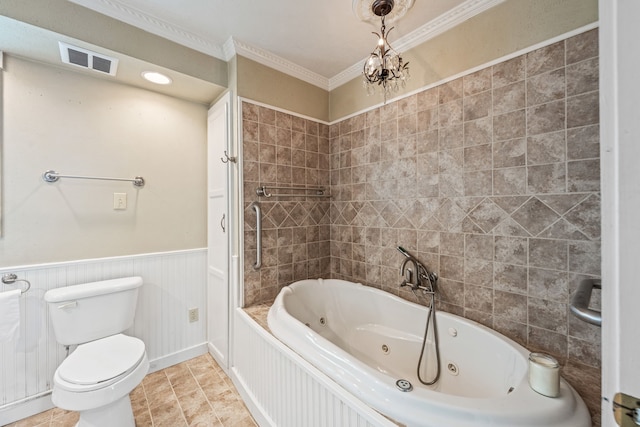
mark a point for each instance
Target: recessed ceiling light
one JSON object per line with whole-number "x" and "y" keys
{"x": 156, "y": 78}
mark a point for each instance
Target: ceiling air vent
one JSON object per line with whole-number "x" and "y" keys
{"x": 87, "y": 59}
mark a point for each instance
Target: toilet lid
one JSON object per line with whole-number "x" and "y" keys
{"x": 102, "y": 360}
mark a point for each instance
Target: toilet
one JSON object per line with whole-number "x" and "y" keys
{"x": 97, "y": 377}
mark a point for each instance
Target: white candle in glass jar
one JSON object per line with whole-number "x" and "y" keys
{"x": 544, "y": 374}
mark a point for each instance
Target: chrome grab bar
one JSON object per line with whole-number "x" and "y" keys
{"x": 256, "y": 207}
{"x": 580, "y": 302}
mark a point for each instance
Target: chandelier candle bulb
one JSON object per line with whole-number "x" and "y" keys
{"x": 544, "y": 374}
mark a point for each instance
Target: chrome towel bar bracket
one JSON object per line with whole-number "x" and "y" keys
{"x": 53, "y": 176}
{"x": 580, "y": 302}
{"x": 11, "y": 278}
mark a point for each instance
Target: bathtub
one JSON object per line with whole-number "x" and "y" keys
{"x": 366, "y": 340}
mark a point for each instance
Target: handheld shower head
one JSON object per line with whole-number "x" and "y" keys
{"x": 404, "y": 252}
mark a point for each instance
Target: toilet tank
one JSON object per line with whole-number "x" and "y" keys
{"x": 90, "y": 311}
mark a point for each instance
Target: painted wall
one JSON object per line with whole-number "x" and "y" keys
{"x": 263, "y": 84}
{"x": 502, "y": 30}
{"x": 64, "y": 17}
{"x": 76, "y": 124}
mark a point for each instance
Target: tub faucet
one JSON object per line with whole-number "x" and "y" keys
{"x": 419, "y": 277}
{"x": 410, "y": 279}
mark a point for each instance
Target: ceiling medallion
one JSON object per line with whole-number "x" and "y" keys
{"x": 363, "y": 9}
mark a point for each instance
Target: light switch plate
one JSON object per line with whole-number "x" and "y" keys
{"x": 119, "y": 201}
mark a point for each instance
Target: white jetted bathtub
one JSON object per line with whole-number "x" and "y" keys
{"x": 366, "y": 340}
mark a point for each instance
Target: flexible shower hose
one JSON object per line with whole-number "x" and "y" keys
{"x": 432, "y": 313}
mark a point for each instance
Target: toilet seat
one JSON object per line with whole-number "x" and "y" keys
{"x": 98, "y": 364}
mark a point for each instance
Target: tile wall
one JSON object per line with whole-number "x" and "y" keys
{"x": 493, "y": 181}
{"x": 283, "y": 150}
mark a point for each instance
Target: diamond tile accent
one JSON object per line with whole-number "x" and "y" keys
{"x": 562, "y": 203}
{"x": 299, "y": 214}
{"x": 349, "y": 213}
{"x": 563, "y": 230}
{"x": 391, "y": 214}
{"x": 534, "y": 216}
{"x": 509, "y": 227}
{"x": 449, "y": 214}
{"x": 487, "y": 215}
{"x": 586, "y": 216}
{"x": 420, "y": 211}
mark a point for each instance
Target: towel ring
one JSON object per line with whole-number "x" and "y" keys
{"x": 11, "y": 278}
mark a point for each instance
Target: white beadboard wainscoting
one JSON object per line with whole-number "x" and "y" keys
{"x": 174, "y": 282}
{"x": 283, "y": 390}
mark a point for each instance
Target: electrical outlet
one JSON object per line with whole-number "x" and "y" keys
{"x": 193, "y": 315}
{"x": 119, "y": 201}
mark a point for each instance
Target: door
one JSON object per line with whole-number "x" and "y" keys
{"x": 620, "y": 153}
{"x": 219, "y": 226}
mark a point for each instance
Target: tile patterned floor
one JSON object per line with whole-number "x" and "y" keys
{"x": 193, "y": 393}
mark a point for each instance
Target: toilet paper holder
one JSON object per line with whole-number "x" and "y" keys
{"x": 11, "y": 278}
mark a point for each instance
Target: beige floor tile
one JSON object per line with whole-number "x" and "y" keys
{"x": 160, "y": 389}
{"x": 139, "y": 404}
{"x": 162, "y": 400}
{"x": 193, "y": 393}
{"x": 205, "y": 360}
{"x": 36, "y": 420}
{"x": 143, "y": 418}
{"x": 212, "y": 391}
{"x": 202, "y": 369}
{"x": 213, "y": 422}
{"x": 185, "y": 386}
{"x": 199, "y": 413}
{"x": 246, "y": 422}
{"x": 177, "y": 371}
{"x": 137, "y": 392}
{"x": 160, "y": 414}
{"x": 210, "y": 378}
{"x": 154, "y": 377}
{"x": 68, "y": 419}
{"x": 229, "y": 408}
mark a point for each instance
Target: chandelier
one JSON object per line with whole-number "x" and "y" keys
{"x": 384, "y": 67}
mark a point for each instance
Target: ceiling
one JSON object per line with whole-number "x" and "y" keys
{"x": 38, "y": 44}
{"x": 321, "y": 42}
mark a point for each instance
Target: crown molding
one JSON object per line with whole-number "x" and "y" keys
{"x": 431, "y": 29}
{"x": 118, "y": 10}
{"x": 445, "y": 22}
{"x": 278, "y": 63}
{"x": 229, "y": 49}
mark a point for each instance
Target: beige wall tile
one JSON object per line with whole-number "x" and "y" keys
{"x": 492, "y": 180}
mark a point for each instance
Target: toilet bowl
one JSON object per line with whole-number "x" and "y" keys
{"x": 97, "y": 377}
